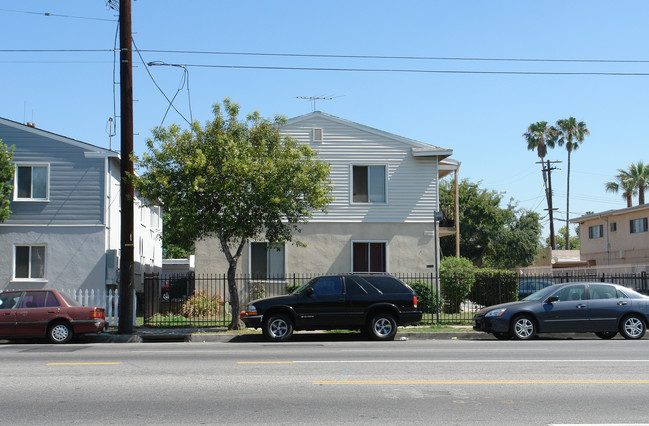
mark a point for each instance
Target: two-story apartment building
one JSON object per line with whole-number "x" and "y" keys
{"x": 385, "y": 190}
{"x": 64, "y": 230}
{"x": 615, "y": 237}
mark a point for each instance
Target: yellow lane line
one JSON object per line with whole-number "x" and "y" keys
{"x": 265, "y": 362}
{"x": 475, "y": 382}
{"x": 83, "y": 363}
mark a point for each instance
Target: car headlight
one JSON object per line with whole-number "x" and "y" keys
{"x": 496, "y": 312}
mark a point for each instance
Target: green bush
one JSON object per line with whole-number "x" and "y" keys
{"x": 200, "y": 305}
{"x": 426, "y": 296}
{"x": 257, "y": 290}
{"x": 494, "y": 286}
{"x": 290, "y": 288}
{"x": 457, "y": 277}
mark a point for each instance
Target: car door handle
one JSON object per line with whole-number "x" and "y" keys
{"x": 621, "y": 303}
{"x": 580, "y": 306}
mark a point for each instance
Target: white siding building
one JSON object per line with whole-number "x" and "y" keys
{"x": 381, "y": 220}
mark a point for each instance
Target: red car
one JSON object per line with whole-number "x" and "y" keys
{"x": 46, "y": 313}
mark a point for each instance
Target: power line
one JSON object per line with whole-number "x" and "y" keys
{"x": 57, "y": 15}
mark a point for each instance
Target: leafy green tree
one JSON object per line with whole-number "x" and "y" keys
{"x": 561, "y": 242}
{"x": 176, "y": 244}
{"x": 457, "y": 275}
{"x": 236, "y": 180}
{"x": 6, "y": 179}
{"x": 495, "y": 236}
{"x": 571, "y": 133}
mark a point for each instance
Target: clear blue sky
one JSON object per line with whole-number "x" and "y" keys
{"x": 480, "y": 116}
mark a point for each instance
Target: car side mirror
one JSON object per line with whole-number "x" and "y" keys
{"x": 310, "y": 291}
{"x": 552, "y": 299}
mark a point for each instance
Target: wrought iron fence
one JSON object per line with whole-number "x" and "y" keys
{"x": 204, "y": 301}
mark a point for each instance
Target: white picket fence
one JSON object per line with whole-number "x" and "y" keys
{"x": 107, "y": 299}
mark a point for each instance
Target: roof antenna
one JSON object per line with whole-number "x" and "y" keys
{"x": 313, "y": 99}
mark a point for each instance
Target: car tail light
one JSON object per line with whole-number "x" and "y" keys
{"x": 414, "y": 301}
{"x": 97, "y": 313}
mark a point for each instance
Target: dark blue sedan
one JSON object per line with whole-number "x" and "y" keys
{"x": 602, "y": 308}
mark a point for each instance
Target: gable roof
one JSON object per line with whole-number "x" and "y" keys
{"x": 91, "y": 150}
{"x": 419, "y": 149}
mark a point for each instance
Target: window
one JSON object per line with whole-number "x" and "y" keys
{"x": 602, "y": 292}
{"x": 613, "y": 226}
{"x": 639, "y": 225}
{"x": 368, "y": 257}
{"x": 155, "y": 217}
{"x": 317, "y": 135}
{"x": 328, "y": 285}
{"x": 575, "y": 292}
{"x": 31, "y": 182}
{"x": 266, "y": 260}
{"x": 29, "y": 262}
{"x": 596, "y": 231}
{"x": 39, "y": 299}
{"x": 368, "y": 184}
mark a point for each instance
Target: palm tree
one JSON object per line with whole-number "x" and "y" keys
{"x": 624, "y": 184}
{"x": 571, "y": 133}
{"x": 638, "y": 174}
{"x": 539, "y": 137}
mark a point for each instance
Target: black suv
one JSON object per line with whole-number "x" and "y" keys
{"x": 375, "y": 304}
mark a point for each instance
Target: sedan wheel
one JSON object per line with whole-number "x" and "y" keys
{"x": 606, "y": 334}
{"x": 59, "y": 333}
{"x": 278, "y": 328}
{"x": 523, "y": 328}
{"x": 633, "y": 327}
{"x": 382, "y": 327}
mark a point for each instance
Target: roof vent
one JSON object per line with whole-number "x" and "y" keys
{"x": 317, "y": 135}
{"x": 30, "y": 124}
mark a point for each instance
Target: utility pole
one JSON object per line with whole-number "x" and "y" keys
{"x": 126, "y": 284}
{"x": 548, "y": 169}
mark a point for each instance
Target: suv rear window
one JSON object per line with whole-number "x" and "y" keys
{"x": 387, "y": 284}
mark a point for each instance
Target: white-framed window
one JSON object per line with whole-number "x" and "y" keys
{"x": 155, "y": 217}
{"x": 29, "y": 262}
{"x": 317, "y": 135}
{"x": 369, "y": 184}
{"x": 369, "y": 256}
{"x": 32, "y": 182}
{"x": 596, "y": 231}
{"x": 639, "y": 225}
{"x": 267, "y": 260}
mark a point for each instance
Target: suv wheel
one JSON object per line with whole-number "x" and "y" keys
{"x": 278, "y": 328}
{"x": 382, "y": 327}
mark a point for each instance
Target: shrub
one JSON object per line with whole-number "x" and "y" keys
{"x": 426, "y": 296}
{"x": 494, "y": 286}
{"x": 257, "y": 290}
{"x": 457, "y": 278}
{"x": 200, "y": 305}
{"x": 290, "y": 288}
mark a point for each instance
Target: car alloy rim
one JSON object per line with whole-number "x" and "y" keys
{"x": 524, "y": 327}
{"x": 383, "y": 327}
{"x": 633, "y": 327}
{"x": 60, "y": 333}
{"x": 278, "y": 328}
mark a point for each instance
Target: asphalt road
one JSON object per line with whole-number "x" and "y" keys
{"x": 319, "y": 381}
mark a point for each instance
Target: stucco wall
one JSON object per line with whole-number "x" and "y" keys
{"x": 329, "y": 249}
{"x": 74, "y": 258}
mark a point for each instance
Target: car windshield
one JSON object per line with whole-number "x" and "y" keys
{"x": 541, "y": 294}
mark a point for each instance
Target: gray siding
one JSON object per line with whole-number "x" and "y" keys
{"x": 76, "y": 183}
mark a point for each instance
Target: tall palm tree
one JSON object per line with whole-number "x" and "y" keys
{"x": 539, "y": 137}
{"x": 624, "y": 184}
{"x": 570, "y": 133}
{"x": 638, "y": 174}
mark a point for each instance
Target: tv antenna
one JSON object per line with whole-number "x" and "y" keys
{"x": 313, "y": 99}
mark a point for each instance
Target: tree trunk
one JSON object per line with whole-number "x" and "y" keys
{"x": 629, "y": 200}
{"x": 235, "y": 307}
{"x": 641, "y": 189}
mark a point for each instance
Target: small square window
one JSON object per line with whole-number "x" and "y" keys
{"x": 31, "y": 182}
{"x": 596, "y": 231}
{"x": 29, "y": 262}
{"x": 639, "y": 225}
{"x": 613, "y": 226}
{"x": 368, "y": 184}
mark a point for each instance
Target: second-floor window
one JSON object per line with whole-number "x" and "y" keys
{"x": 596, "y": 231}
{"x": 31, "y": 182}
{"x": 639, "y": 225}
{"x": 368, "y": 184}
